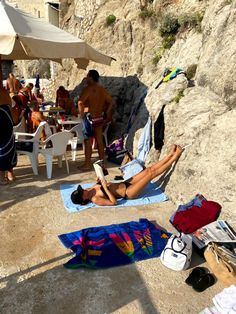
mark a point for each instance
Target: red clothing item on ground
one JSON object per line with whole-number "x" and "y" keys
{"x": 193, "y": 218}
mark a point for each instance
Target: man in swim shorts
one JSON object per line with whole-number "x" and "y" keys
{"x": 94, "y": 105}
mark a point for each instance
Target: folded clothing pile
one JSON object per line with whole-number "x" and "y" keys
{"x": 225, "y": 301}
{"x": 197, "y": 213}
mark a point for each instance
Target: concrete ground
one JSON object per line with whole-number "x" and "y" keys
{"x": 33, "y": 279}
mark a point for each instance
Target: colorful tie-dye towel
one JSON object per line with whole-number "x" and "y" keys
{"x": 114, "y": 245}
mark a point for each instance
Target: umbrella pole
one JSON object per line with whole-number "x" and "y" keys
{"x": 1, "y": 77}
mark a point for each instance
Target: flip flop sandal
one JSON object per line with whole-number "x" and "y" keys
{"x": 195, "y": 275}
{"x": 204, "y": 282}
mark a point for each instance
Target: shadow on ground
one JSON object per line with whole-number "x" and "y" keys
{"x": 25, "y": 188}
{"x": 60, "y": 290}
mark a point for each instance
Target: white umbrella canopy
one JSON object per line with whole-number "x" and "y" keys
{"x": 24, "y": 37}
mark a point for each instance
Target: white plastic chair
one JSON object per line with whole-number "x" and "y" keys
{"x": 21, "y": 126}
{"x": 35, "y": 139}
{"x": 105, "y": 133}
{"x": 59, "y": 144}
{"x": 78, "y": 138}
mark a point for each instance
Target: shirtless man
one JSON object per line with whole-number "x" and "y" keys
{"x": 13, "y": 85}
{"x": 96, "y": 101}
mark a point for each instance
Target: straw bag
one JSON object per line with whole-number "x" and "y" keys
{"x": 221, "y": 263}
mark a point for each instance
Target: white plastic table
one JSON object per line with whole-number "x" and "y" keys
{"x": 69, "y": 120}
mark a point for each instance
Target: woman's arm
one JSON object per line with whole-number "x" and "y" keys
{"x": 38, "y": 116}
{"x": 103, "y": 201}
{"x": 100, "y": 201}
{"x": 81, "y": 109}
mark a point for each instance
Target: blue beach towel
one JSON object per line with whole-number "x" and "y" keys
{"x": 114, "y": 245}
{"x": 151, "y": 194}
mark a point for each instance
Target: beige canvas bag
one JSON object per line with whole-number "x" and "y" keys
{"x": 221, "y": 264}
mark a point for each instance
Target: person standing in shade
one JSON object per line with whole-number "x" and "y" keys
{"x": 94, "y": 103}
{"x": 8, "y": 156}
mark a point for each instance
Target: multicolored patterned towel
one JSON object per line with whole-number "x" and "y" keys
{"x": 114, "y": 245}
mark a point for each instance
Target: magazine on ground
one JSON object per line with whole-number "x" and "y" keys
{"x": 218, "y": 231}
{"x": 99, "y": 170}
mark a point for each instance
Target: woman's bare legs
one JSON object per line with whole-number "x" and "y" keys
{"x": 138, "y": 183}
{"x": 161, "y": 162}
{"x": 10, "y": 175}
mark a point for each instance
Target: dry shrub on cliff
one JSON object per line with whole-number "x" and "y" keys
{"x": 146, "y": 13}
{"x": 110, "y": 19}
{"x": 187, "y": 21}
{"x": 169, "y": 25}
{"x": 191, "y": 71}
{"x": 168, "y": 41}
{"x": 158, "y": 55}
{"x": 179, "y": 96}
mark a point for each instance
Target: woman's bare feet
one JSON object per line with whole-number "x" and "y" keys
{"x": 173, "y": 149}
{"x": 10, "y": 176}
{"x": 178, "y": 151}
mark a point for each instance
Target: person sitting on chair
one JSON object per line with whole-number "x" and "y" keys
{"x": 106, "y": 194}
{"x": 35, "y": 118}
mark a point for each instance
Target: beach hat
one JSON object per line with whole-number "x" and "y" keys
{"x": 77, "y": 196}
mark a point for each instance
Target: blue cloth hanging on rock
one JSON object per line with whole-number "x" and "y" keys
{"x": 114, "y": 245}
{"x": 144, "y": 143}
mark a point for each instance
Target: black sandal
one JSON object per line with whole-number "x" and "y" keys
{"x": 204, "y": 282}
{"x": 195, "y": 275}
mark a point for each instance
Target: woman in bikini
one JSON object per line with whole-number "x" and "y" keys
{"x": 106, "y": 194}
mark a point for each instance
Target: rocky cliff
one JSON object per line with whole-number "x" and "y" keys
{"x": 146, "y": 37}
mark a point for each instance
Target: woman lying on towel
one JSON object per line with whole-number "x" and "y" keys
{"x": 105, "y": 194}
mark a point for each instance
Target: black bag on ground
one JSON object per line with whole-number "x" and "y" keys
{"x": 117, "y": 157}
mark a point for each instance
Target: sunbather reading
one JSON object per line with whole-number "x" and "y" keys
{"x": 106, "y": 194}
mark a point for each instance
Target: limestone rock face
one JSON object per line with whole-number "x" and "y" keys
{"x": 200, "y": 119}
{"x": 203, "y": 116}
{"x": 216, "y": 67}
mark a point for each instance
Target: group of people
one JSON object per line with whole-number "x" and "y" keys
{"x": 95, "y": 105}
{"x": 16, "y": 101}
{"x": 23, "y": 98}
